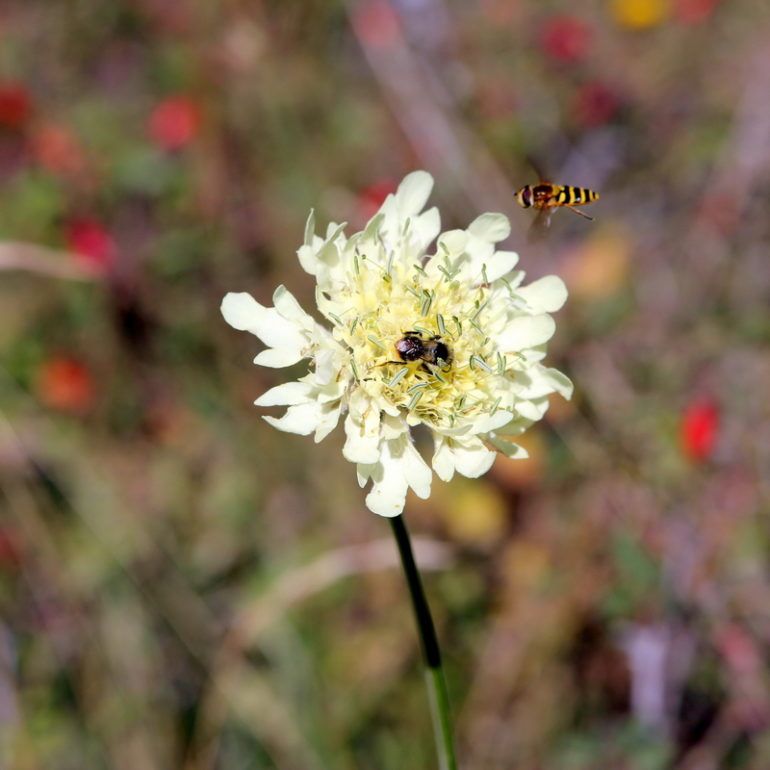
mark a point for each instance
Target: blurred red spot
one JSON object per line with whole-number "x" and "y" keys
{"x": 694, "y": 11}
{"x": 565, "y": 38}
{"x": 65, "y": 384}
{"x": 699, "y": 429}
{"x": 15, "y": 105}
{"x": 10, "y": 550}
{"x": 739, "y": 649}
{"x": 376, "y": 23}
{"x": 90, "y": 241}
{"x": 56, "y": 149}
{"x": 372, "y": 197}
{"x": 595, "y": 104}
{"x": 174, "y": 122}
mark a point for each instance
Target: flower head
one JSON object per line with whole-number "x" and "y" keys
{"x": 449, "y": 340}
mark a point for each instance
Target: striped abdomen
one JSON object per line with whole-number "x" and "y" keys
{"x": 575, "y": 196}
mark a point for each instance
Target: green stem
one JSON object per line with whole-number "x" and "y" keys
{"x": 434, "y": 674}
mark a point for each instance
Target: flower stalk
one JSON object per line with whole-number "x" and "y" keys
{"x": 434, "y": 671}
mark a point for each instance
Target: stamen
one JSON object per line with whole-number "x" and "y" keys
{"x": 414, "y": 400}
{"x": 427, "y": 302}
{"x": 398, "y": 376}
{"x": 480, "y": 362}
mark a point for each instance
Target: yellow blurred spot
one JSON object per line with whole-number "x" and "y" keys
{"x": 640, "y": 14}
{"x": 522, "y": 474}
{"x": 474, "y": 511}
{"x": 599, "y": 267}
{"x": 525, "y": 564}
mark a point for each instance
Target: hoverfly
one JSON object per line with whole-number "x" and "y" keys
{"x": 546, "y": 197}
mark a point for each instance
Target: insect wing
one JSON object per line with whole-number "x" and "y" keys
{"x": 540, "y": 225}
{"x": 536, "y": 167}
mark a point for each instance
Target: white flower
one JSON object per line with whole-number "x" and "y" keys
{"x": 378, "y": 286}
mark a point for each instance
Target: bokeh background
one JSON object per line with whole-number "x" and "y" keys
{"x": 181, "y": 586}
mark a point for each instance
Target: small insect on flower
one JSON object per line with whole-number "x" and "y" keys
{"x": 547, "y": 196}
{"x": 432, "y": 352}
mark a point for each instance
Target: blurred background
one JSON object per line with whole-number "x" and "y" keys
{"x": 181, "y": 586}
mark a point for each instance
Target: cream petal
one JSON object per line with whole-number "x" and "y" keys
{"x": 365, "y": 471}
{"x": 307, "y": 259}
{"x": 526, "y": 332}
{"x": 278, "y": 332}
{"x": 537, "y": 381}
{"x": 492, "y": 422}
{"x": 515, "y": 427}
{"x": 416, "y": 470}
{"x": 288, "y": 307}
{"x": 327, "y": 365}
{"x": 362, "y": 431}
{"x": 373, "y": 226}
{"x": 426, "y": 227}
{"x": 330, "y": 416}
{"x": 546, "y": 295}
{"x": 400, "y": 467}
{"x": 388, "y": 494}
{"x": 288, "y": 394}
{"x": 452, "y": 243}
{"x": 560, "y": 382}
{"x": 243, "y": 312}
{"x": 310, "y": 228}
{"x": 508, "y": 448}
{"x": 358, "y": 447}
{"x": 443, "y": 458}
{"x": 276, "y": 358}
{"x": 501, "y": 264}
{"x": 480, "y": 253}
{"x": 468, "y": 456}
{"x": 301, "y": 419}
{"x": 473, "y": 459}
{"x": 387, "y": 498}
{"x": 491, "y": 227}
{"x": 413, "y": 193}
{"x": 532, "y": 410}
{"x": 307, "y": 252}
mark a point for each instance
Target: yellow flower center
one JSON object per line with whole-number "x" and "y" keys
{"x": 384, "y": 308}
